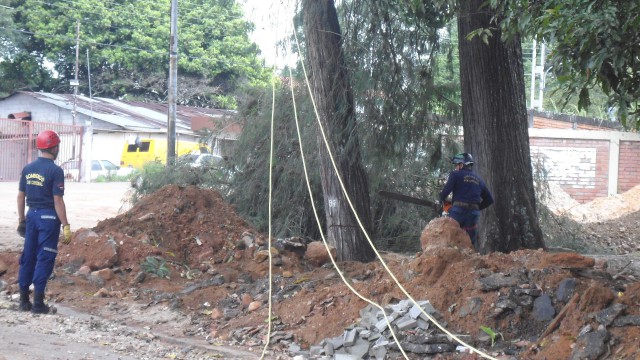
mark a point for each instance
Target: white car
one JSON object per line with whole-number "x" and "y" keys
{"x": 98, "y": 168}
{"x": 203, "y": 160}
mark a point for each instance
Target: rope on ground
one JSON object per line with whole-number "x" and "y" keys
{"x": 335, "y": 167}
{"x": 324, "y": 240}
{"x": 273, "y": 105}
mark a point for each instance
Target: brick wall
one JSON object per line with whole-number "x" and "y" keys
{"x": 544, "y": 123}
{"x": 550, "y": 120}
{"x": 580, "y": 167}
{"x": 629, "y": 165}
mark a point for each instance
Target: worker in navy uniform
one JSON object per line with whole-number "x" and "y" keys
{"x": 41, "y": 188}
{"x": 470, "y": 195}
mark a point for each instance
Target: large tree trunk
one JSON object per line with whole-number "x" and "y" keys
{"x": 334, "y": 98}
{"x": 495, "y": 131}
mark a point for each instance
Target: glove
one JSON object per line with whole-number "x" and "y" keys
{"x": 66, "y": 230}
{"x": 22, "y": 228}
{"x": 437, "y": 207}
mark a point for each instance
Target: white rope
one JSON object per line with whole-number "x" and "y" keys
{"x": 326, "y": 142}
{"x": 324, "y": 240}
{"x": 273, "y": 106}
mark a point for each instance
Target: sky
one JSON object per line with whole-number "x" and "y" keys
{"x": 274, "y": 21}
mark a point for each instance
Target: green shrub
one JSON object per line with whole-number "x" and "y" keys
{"x": 114, "y": 178}
{"x": 155, "y": 266}
{"x": 155, "y": 175}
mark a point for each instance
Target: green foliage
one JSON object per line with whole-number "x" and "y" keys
{"x": 23, "y": 71}
{"x": 20, "y": 68}
{"x": 406, "y": 85}
{"x": 292, "y": 212}
{"x": 483, "y": 33}
{"x": 558, "y": 102}
{"x": 155, "y": 266}
{"x": 594, "y": 44}
{"x": 128, "y": 40}
{"x": 491, "y": 334}
{"x": 155, "y": 175}
{"x": 406, "y": 91}
{"x": 113, "y": 177}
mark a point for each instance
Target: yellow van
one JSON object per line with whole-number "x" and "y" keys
{"x": 144, "y": 150}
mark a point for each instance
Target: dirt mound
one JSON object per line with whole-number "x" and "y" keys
{"x": 542, "y": 304}
{"x": 600, "y": 209}
{"x": 190, "y": 233}
{"x": 603, "y": 226}
{"x": 499, "y": 291}
{"x": 183, "y": 221}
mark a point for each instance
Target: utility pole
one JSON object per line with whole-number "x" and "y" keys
{"x": 536, "y": 102}
{"x": 75, "y": 89}
{"x": 173, "y": 85}
{"x": 75, "y": 85}
{"x": 87, "y": 138}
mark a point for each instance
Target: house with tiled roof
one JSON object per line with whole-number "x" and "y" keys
{"x": 98, "y": 128}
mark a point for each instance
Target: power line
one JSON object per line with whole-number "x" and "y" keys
{"x": 187, "y": 25}
{"x": 127, "y": 13}
{"x": 125, "y": 47}
{"x": 62, "y": 37}
{"x": 94, "y": 13}
{"x": 181, "y": 7}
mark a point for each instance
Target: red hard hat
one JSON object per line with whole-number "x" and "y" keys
{"x": 47, "y": 139}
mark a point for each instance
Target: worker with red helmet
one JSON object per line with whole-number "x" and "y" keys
{"x": 41, "y": 188}
{"x": 470, "y": 195}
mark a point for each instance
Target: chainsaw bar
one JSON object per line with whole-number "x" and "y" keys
{"x": 406, "y": 198}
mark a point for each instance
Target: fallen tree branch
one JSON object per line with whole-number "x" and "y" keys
{"x": 558, "y": 319}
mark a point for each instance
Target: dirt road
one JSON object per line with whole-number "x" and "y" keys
{"x": 73, "y": 335}
{"x": 87, "y": 204}
{"x": 70, "y": 335}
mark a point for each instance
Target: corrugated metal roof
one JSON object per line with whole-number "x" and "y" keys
{"x": 130, "y": 115}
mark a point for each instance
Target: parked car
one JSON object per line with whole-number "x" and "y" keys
{"x": 202, "y": 160}
{"x": 98, "y": 168}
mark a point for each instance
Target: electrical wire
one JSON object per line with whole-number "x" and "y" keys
{"x": 127, "y": 13}
{"x": 182, "y": 6}
{"x": 346, "y": 195}
{"x": 124, "y": 47}
{"x": 322, "y": 235}
{"x": 270, "y": 292}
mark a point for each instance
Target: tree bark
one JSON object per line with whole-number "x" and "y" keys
{"x": 334, "y": 97}
{"x": 496, "y": 131}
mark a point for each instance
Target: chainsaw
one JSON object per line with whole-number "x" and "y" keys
{"x": 414, "y": 200}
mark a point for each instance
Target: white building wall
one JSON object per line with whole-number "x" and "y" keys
{"x": 40, "y": 111}
{"x": 575, "y": 167}
{"x": 108, "y": 146}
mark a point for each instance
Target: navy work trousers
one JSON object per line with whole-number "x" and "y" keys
{"x": 40, "y": 249}
{"x": 468, "y": 220}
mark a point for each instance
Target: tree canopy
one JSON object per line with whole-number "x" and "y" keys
{"x": 594, "y": 43}
{"x": 407, "y": 99}
{"x": 128, "y": 44}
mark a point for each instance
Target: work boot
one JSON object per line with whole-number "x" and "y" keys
{"x": 25, "y": 304}
{"x": 39, "y": 306}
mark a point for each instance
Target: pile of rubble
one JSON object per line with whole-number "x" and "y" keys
{"x": 211, "y": 267}
{"x": 372, "y": 338}
{"x": 524, "y": 305}
{"x": 416, "y": 334}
